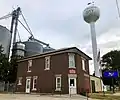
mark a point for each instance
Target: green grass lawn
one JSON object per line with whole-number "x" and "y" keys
{"x": 104, "y": 97}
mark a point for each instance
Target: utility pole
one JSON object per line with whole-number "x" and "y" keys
{"x": 118, "y": 8}
{"x": 113, "y": 85}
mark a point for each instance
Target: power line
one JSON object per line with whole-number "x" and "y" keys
{"x": 118, "y": 8}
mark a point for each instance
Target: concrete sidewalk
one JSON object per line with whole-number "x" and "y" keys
{"x": 40, "y": 97}
{"x": 116, "y": 94}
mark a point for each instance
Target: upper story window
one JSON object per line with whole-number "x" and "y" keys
{"x": 83, "y": 64}
{"x": 47, "y": 63}
{"x": 71, "y": 60}
{"x": 29, "y": 65}
{"x": 20, "y": 81}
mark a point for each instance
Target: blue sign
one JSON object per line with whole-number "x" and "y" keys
{"x": 111, "y": 74}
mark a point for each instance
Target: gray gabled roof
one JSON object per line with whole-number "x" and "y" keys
{"x": 58, "y": 51}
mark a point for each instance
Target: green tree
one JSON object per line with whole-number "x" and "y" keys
{"x": 8, "y": 70}
{"x": 111, "y": 60}
{"x": 13, "y": 70}
{"x": 4, "y": 65}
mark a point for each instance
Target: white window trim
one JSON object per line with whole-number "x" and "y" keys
{"x": 19, "y": 81}
{"x": 71, "y": 54}
{"x": 28, "y": 77}
{"x": 29, "y": 71}
{"x": 29, "y": 61}
{"x": 34, "y": 77}
{"x": 58, "y": 89}
{"x": 47, "y": 63}
{"x": 83, "y": 68}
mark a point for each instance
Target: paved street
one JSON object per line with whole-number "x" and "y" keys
{"x": 38, "y": 97}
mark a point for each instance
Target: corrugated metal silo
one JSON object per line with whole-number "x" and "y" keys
{"x": 47, "y": 49}
{"x": 19, "y": 49}
{"x": 32, "y": 48}
{"x": 5, "y": 36}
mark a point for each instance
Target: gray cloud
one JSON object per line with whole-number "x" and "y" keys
{"x": 104, "y": 47}
{"x": 60, "y": 22}
{"x": 110, "y": 44}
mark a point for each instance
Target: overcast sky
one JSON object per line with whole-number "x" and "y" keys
{"x": 60, "y": 23}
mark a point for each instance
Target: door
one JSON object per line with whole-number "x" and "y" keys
{"x": 93, "y": 86}
{"x": 72, "y": 86}
{"x": 28, "y": 82}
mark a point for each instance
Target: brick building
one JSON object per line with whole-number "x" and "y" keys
{"x": 64, "y": 70}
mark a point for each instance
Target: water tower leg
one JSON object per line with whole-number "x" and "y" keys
{"x": 94, "y": 48}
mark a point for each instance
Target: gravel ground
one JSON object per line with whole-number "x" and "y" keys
{"x": 39, "y": 97}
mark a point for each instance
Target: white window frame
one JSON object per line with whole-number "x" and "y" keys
{"x": 29, "y": 65}
{"x": 19, "y": 81}
{"x": 58, "y": 88}
{"x": 34, "y": 78}
{"x": 71, "y": 59}
{"x": 83, "y": 64}
{"x": 47, "y": 63}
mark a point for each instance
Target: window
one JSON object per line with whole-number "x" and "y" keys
{"x": 20, "y": 81}
{"x": 71, "y": 60}
{"x": 58, "y": 83}
{"x": 83, "y": 64}
{"x": 47, "y": 63}
{"x": 34, "y": 83}
{"x": 29, "y": 65}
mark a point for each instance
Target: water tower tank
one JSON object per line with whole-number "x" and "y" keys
{"x": 19, "y": 49}
{"x": 91, "y": 14}
{"x": 32, "y": 48}
{"x": 5, "y": 36}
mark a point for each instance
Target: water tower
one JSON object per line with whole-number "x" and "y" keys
{"x": 91, "y": 14}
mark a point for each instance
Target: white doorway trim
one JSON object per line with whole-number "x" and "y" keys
{"x": 72, "y": 83}
{"x": 28, "y": 85}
